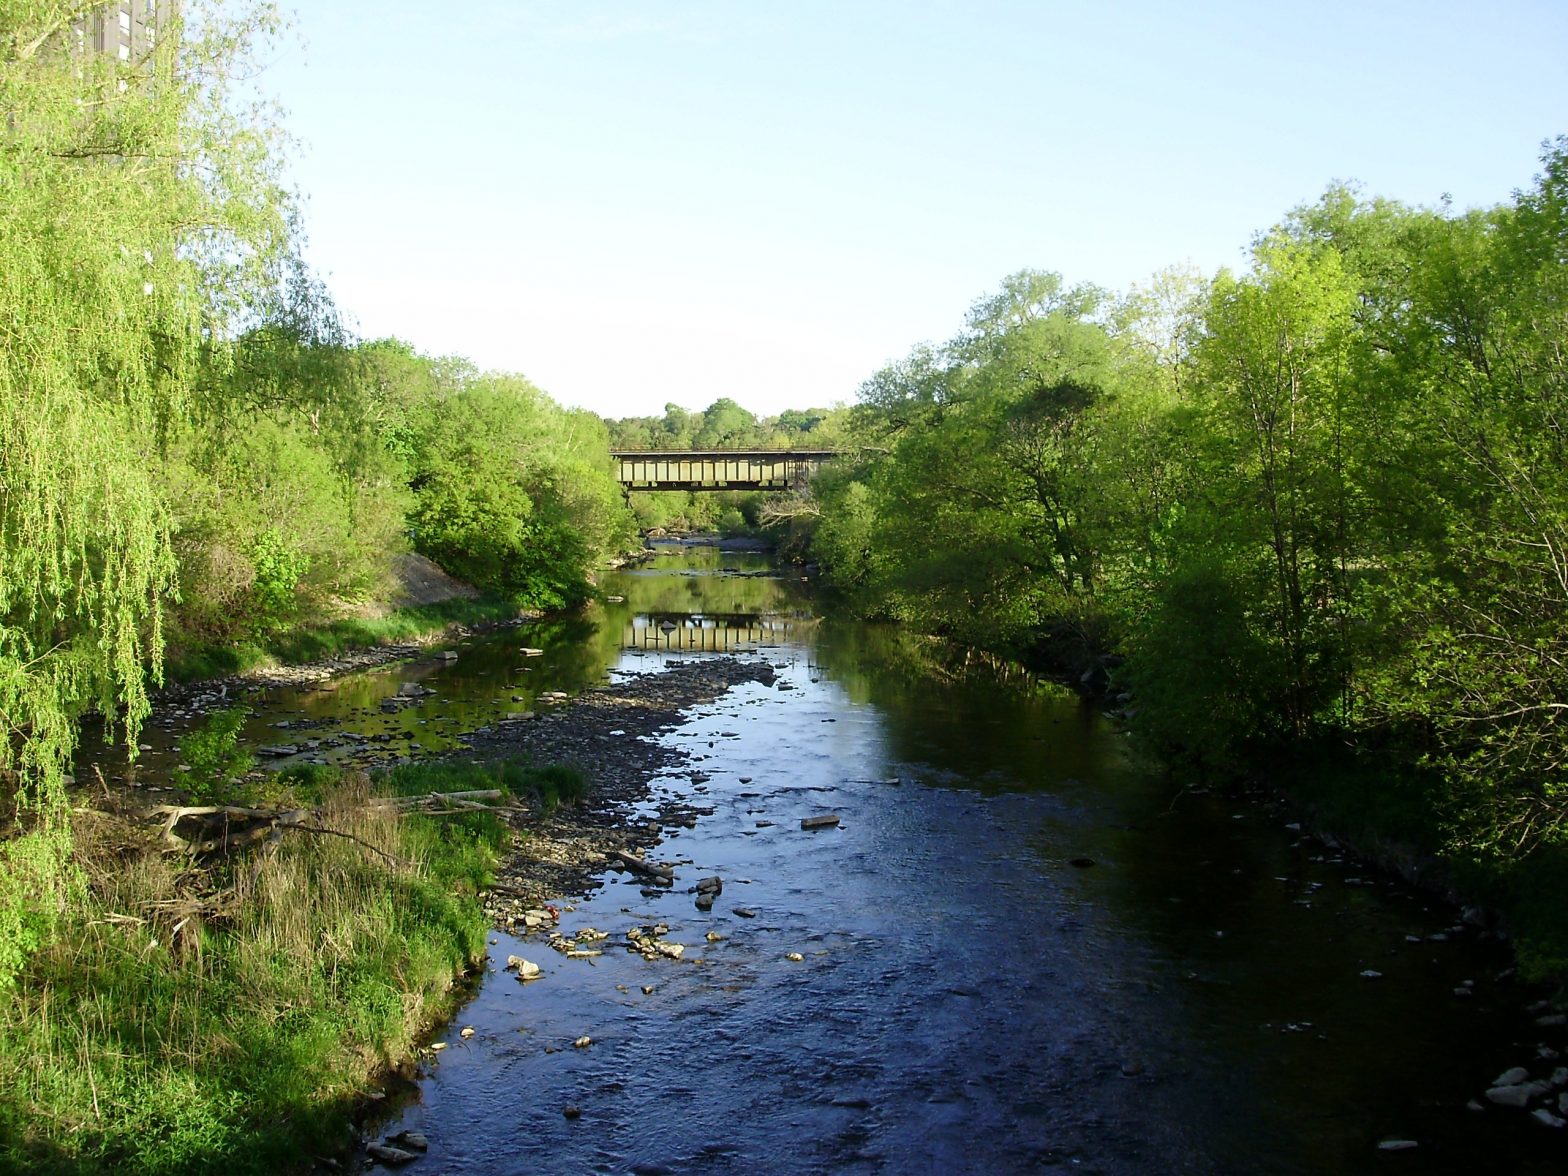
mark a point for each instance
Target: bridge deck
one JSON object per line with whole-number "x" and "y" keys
{"x": 717, "y": 469}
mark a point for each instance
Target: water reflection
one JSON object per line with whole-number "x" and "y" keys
{"x": 712, "y": 633}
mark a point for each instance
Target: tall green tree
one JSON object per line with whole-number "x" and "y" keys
{"x": 139, "y": 211}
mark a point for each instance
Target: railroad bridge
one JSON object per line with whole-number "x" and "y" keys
{"x": 717, "y": 469}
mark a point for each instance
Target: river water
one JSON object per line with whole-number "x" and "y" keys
{"x": 1020, "y": 950}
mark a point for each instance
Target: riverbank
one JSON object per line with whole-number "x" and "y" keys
{"x": 248, "y": 1010}
{"x": 424, "y": 605}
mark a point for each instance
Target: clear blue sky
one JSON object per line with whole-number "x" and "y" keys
{"x": 638, "y": 203}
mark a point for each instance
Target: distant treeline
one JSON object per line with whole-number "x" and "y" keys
{"x": 1322, "y": 502}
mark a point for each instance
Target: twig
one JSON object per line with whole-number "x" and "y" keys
{"x": 397, "y": 861}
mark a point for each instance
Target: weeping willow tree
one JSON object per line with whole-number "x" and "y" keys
{"x": 139, "y": 210}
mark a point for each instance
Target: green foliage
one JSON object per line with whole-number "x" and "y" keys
{"x": 140, "y": 214}
{"x": 213, "y": 762}
{"x": 240, "y": 1045}
{"x": 512, "y": 493}
{"x": 1320, "y": 502}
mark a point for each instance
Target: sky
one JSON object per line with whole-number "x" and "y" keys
{"x": 673, "y": 201}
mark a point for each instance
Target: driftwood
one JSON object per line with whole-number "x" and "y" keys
{"x": 222, "y": 826}
{"x": 218, "y": 828}
{"x": 460, "y": 799}
{"x": 630, "y": 861}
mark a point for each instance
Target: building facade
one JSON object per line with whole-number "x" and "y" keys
{"x": 126, "y": 30}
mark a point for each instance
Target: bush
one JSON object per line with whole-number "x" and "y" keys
{"x": 213, "y": 763}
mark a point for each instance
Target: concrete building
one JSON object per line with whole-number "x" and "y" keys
{"x": 126, "y": 30}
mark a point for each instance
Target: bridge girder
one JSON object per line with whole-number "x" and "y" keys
{"x": 717, "y": 469}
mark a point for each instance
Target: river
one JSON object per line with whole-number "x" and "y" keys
{"x": 1020, "y": 949}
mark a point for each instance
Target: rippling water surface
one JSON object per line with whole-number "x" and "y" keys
{"x": 1186, "y": 998}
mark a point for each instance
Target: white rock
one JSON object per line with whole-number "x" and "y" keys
{"x": 1371, "y": 974}
{"x": 1547, "y": 1119}
{"x": 1512, "y": 1077}
{"x": 525, "y": 969}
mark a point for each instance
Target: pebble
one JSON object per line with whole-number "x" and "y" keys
{"x": 583, "y": 1042}
{"x": 572, "y": 1111}
{"x": 1545, "y": 1117}
{"x": 794, "y": 957}
{"x": 468, "y": 1031}
{"x": 1371, "y": 974}
{"x": 1397, "y": 1145}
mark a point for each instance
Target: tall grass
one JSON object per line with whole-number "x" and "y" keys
{"x": 232, "y": 1018}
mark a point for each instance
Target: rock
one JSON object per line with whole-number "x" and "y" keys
{"x": 583, "y": 1042}
{"x": 1371, "y": 974}
{"x": 672, "y": 951}
{"x": 1513, "y": 1096}
{"x": 1552, "y": 1019}
{"x": 527, "y": 652}
{"x": 1512, "y": 1077}
{"x": 413, "y": 1139}
{"x": 1545, "y": 1117}
{"x": 1397, "y": 1145}
{"x": 525, "y": 969}
{"x": 794, "y": 957}
{"x": 572, "y": 1110}
{"x": 713, "y": 885}
{"x": 1081, "y": 863}
{"x": 389, "y": 1155}
{"x": 745, "y": 913}
{"x": 823, "y": 822}
{"x": 468, "y": 1031}
{"x": 1559, "y": 1076}
{"x": 714, "y": 937}
{"x": 705, "y": 901}
{"x": 647, "y": 989}
{"x": 447, "y": 655}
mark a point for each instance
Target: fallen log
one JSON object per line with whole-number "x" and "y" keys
{"x": 630, "y": 861}
{"x": 439, "y": 798}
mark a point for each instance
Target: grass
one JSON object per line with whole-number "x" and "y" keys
{"x": 234, "y": 1017}
{"x": 313, "y": 642}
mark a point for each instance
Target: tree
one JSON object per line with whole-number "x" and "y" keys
{"x": 141, "y": 213}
